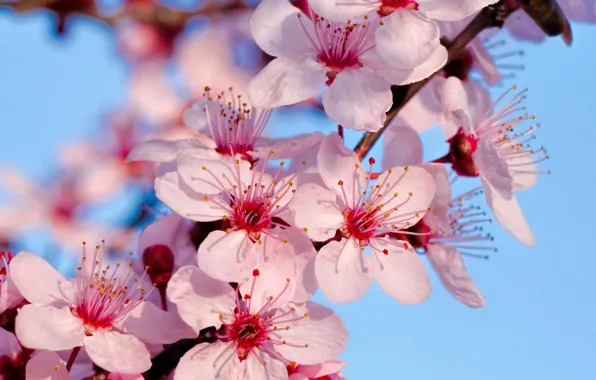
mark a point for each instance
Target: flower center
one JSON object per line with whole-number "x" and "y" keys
{"x": 252, "y": 216}
{"x": 5, "y": 259}
{"x": 104, "y": 294}
{"x": 390, "y": 6}
{"x": 461, "y": 148}
{"x": 249, "y": 332}
{"x": 360, "y": 224}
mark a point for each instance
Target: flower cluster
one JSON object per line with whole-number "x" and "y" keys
{"x": 222, "y": 287}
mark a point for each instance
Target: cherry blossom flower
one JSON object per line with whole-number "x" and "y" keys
{"x": 409, "y": 36}
{"x": 364, "y": 217}
{"x": 313, "y": 52}
{"x": 46, "y": 365}
{"x": 323, "y": 371}
{"x": 492, "y": 149}
{"x": 103, "y": 310}
{"x": 224, "y": 125}
{"x": 12, "y": 358}
{"x": 259, "y": 330}
{"x": 253, "y": 206}
{"x": 10, "y": 297}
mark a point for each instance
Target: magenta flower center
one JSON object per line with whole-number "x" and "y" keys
{"x": 5, "y": 259}
{"x": 252, "y": 216}
{"x": 248, "y": 332}
{"x": 13, "y": 367}
{"x": 234, "y": 125}
{"x": 360, "y": 224}
{"x": 104, "y": 293}
{"x": 390, "y": 6}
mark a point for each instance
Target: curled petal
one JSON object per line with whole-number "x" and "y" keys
{"x": 455, "y": 103}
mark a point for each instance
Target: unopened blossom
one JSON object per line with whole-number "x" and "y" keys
{"x": 495, "y": 147}
{"x": 12, "y": 358}
{"x": 225, "y": 125}
{"x": 313, "y": 52}
{"x": 259, "y": 330}
{"x": 329, "y": 370}
{"x": 364, "y": 213}
{"x": 408, "y": 36}
{"x": 103, "y": 310}
{"x": 253, "y": 205}
{"x": 10, "y": 297}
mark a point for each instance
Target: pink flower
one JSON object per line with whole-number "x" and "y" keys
{"x": 103, "y": 310}
{"x": 224, "y": 125}
{"x": 364, "y": 217}
{"x": 323, "y": 371}
{"x": 260, "y": 330}
{"x": 313, "y": 52}
{"x": 408, "y": 36}
{"x": 12, "y": 359}
{"x": 490, "y": 148}
{"x": 10, "y": 297}
{"x": 253, "y": 206}
{"x": 450, "y": 230}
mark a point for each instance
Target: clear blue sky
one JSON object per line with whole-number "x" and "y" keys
{"x": 540, "y": 318}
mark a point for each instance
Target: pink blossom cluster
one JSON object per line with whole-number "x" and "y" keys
{"x": 221, "y": 287}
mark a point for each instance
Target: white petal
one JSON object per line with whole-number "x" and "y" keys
{"x": 315, "y": 208}
{"x": 493, "y": 168}
{"x": 160, "y": 150}
{"x": 217, "y": 361}
{"x": 455, "y": 103}
{"x": 199, "y": 298}
{"x": 195, "y": 117}
{"x": 268, "y": 284}
{"x": 451, "y": 10}
{"x": 273, "y": 370}
{"x": 10, "y": 296}
{"x": 48, "y": 328}
{"x": 116, "y": 352}
{"x": 228, "y": 256}
{"x": 286, "y": 81}
{"x": 342, "y": 271}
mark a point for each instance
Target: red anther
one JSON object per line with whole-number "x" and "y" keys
{"x": 371, "y": 161}
{"x": 256, "y": 272}
{"x": 385, "y": 252}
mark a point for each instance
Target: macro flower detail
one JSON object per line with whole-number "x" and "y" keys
{"x": 259, "y": 330}
{"x": 493, "y": 149}
{"x": 364, "y": 214}
{"x": 103, "y": 310}
{"x": 313, "y": 52}
{"x": 224, "y": 125}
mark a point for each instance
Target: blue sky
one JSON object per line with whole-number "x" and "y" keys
{"x": 539, "y": 322}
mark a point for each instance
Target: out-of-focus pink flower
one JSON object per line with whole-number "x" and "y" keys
{"x": 224, "y": 125}
{"x": 10, "y": 296}
{"x": 12, "y": 359}
{"x": 314, "y": 52}
{"x": 323, "y": 371}
{"x": 121, "y": 376}
{"x": 46, "y": 365}
{"x": 259, "y": 330}
{"x": 253, "y": 205}
{"x": 143, "y": 41}
{"x": 397, "y": 200}
{"x": 491, "y": 148}
{"x": 103, "y": 310}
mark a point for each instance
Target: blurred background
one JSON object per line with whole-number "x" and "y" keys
{"x": 77, "y": 93}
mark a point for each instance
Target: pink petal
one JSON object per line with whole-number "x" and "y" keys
{"x": 100, "y": 180}
{"x": 509, "y": 214}
{"x": 199, "y": 298}
{"x": 338, "y": 163}
{"x": 165, "y": 230}
{"x": 211, "y": 361}
{"x": 195, "y": 117}
{"x": 318, "y": 337}
{"x": 121, "y": 376}
{"x": 10, "y": 296}
{"x": 579, "y": 10}
{"x": 345, "y": 9}
{"x": 287, "y": 147}
{"x": 358, "y": 99}
{"x": 46, "y": 365}
{"x": 143, "y": 319}
{"x": 285, "y": 81}
{"x": 342, "y": 271}
{"x": 493, "y": 168}
{"x": 211, "y": 179}
{"x": 306, "y": 278}
{"x": 400, "y": 272}
{"x": 407, "y": 39}
{"x": 9, "y": 345}
{"x": 279, "y": 32}
{"x": 315, "y": 209}
{"x": 273, "y": 370}
{"x": 321, "y": 369}
{"x": 178, "y": 196}
{"x": 116, "y": 352}
{"x": 48, "y": 328}
{"x": 45, "y": 289}
{"x": 269, "y": 283}
{"x": 484, "y": 62}
{"x": 455, "y": 103}
{"x": 451, "y": 10}
{"x": 228, "y": 256}
{"x": 526, "y": 175}
{"x": 160, "y": 150}
{"x": 449, "y": 266}
{"x": 410, "y": 189}
{"x": 522, "y": 27}
{"x": 438, "y": 216}
{"x": 401, "y": 146}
